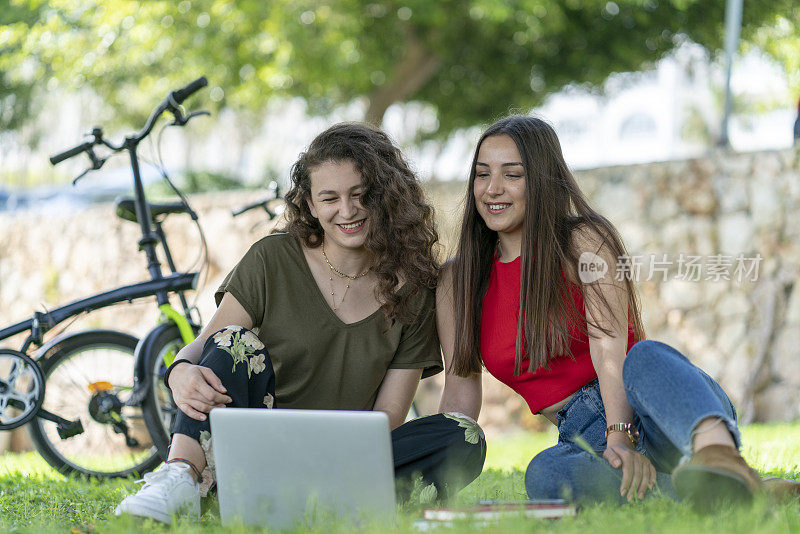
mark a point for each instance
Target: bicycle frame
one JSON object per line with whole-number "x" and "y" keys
{"x": 40, "y": 323}
{"x": 184, "y": 326}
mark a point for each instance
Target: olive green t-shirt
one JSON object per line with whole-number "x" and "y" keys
{"x": 319, "y": 361}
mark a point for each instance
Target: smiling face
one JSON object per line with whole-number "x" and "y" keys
{"x": 499, "y": 185}
{"x": 336, "y": 188}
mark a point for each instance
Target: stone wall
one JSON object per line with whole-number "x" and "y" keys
{"x": 726, "y": 206}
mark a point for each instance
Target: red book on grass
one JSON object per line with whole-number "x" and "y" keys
{"x": 493, "y": 510}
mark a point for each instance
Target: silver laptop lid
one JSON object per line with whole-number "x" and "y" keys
{"x": 282, "y": 468}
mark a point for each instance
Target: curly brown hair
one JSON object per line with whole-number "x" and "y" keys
{"x": 401, "y": 238}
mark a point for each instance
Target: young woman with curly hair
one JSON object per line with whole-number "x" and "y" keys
{"x": 343, "y": 304}
{"x": 522, "y": 300}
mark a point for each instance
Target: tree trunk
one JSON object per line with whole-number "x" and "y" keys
{"x": 416, "y": 68}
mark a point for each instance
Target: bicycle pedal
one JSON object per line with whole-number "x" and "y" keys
{"x": 71, "y": 429}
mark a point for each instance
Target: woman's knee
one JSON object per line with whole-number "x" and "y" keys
{"x": 641, "y": 354}
{"x": 543, "y": 479}
{"x": 228, "y": 337}
{"x": 467, "y": 447}
{"x": 471, "y": 457}
{"x": 241, "y": 362}
{"x": 236, "y": 344}
{"x": 646, "y": 356}
{"x": 446, "y": 449}
{"x": 562, "y": 472}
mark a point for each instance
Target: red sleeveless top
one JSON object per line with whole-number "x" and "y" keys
{"x": 541, "y": 388}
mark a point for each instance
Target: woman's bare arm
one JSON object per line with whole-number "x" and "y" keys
{"x": 461, "y": 394}
{"x": 396, "y": 394}
{"x": 606, "y": 307}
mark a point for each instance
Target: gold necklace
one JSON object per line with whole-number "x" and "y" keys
{"x": 333, "y": 295}
{"x": 343, "y": 275}
{"x": 337, "y": 271}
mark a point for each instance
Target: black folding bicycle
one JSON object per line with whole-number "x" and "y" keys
{"x": 95, "y": 400}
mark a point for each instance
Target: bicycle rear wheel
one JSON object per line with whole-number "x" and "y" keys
{"x": 90, "y": 376}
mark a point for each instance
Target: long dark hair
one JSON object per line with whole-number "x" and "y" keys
{"x": 402, "y": 235}
{"x": 554, "y": 209}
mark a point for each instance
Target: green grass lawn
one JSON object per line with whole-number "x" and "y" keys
{"x": 33, "y": 498}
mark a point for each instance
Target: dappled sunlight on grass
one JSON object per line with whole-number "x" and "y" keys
{"x": 27, "y": 464}
{"x": 773, "y": 449}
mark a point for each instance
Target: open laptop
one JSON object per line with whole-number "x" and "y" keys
{"x": 286, "y": 468}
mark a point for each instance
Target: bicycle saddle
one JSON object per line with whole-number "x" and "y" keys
{"x": 126, "y": 209}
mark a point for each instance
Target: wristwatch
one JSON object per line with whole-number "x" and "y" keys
{"x": 628, "y": 428}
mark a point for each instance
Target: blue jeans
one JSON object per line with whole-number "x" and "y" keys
{"x": 669, "y": 397}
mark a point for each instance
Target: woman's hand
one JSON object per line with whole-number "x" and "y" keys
{"x": 638, "y": 474}
{"x": 196, "y": 390}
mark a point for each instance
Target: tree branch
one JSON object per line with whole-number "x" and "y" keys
{"x": 414, "y": 70}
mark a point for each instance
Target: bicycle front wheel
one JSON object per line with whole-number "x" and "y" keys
{"x": 158, "y": 408}
{"x": 90, "y": 376}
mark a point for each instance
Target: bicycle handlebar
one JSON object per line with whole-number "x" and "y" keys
{"x": 254, "y": 205}
{"x": 72, "y": 152}
{"x": 170, "y": 103}
{"x": 182, "y": 94}
{"x": 149, "y": 240}
{"x": 275, "y": 194}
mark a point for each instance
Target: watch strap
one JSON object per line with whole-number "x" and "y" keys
{"x": 628, "y": 428}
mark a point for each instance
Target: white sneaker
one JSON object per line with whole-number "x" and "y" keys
{"x": 169, "y": 490}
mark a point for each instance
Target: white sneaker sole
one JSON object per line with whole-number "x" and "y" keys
{"x": 153, "y": 513}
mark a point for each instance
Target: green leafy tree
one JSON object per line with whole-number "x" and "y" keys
{"x": 781, "y": 39}
{"x": 16, "y": 91}
{"x": 469, "y": 59}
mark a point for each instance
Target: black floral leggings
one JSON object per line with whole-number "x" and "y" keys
{"x": 445, "y": 451}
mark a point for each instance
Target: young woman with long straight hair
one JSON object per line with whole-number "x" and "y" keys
{"x": 527, "y": 297}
